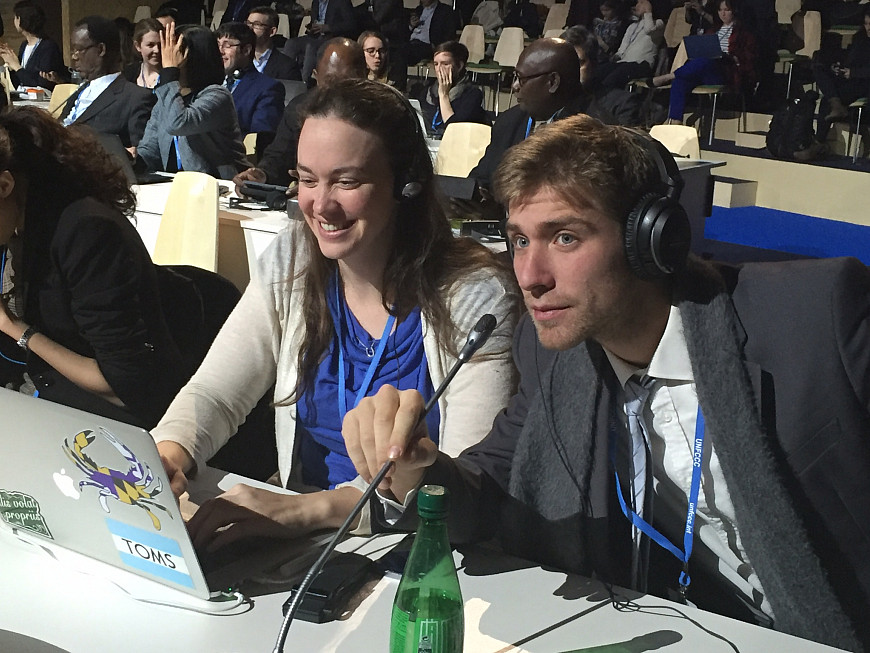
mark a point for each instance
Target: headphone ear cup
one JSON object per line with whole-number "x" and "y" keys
{"x": 657, "y": 237}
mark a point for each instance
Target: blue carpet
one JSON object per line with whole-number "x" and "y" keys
{"x": 782, "y": 231}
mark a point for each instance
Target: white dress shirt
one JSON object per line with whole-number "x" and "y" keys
{"x": 92, "y": 91}
{"x": 670, "y": 415}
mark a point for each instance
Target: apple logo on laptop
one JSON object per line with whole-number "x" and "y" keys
{"x": 65, "y": 484}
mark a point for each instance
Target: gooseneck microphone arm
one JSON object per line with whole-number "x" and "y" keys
{"x": 478, "y": 336}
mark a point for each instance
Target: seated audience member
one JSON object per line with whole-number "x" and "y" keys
{"x": 624, "y": 107}
{"x": 372, "y": 282}
{"x": 488, "y": 15}
{"x": 610, "y": 28}
{"x": 637, "y": 52}
{"x": 259, "y": 100}
{"x": 845, "y": 81}
{"x": 87, "y": 311}
{"x": 193, "y": 125}
{"x": 107, "y": 102}
{"x": 185, "y": 12}
{"x": 451, "y": 97}
{"x": 735, "y": 68}
{"x": 547, "y": 87}
{"x": 39, "y": 61}
{"x": 378, "y": 62}
{"x": 125, "y": 36}
{"x": 576, "y": 459}
{"x": 340, "y": 58}
{"x": 701, "y": 16}
{"x": 523, "y": 14}
{"x": 267, "y": 58}
{"x": 387, "y": 18}
{"x": 432, "y": 22}
{"x": 328, "y": 19}
{"x": 146, "y": 42}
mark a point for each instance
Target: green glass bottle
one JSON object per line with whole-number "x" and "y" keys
{"x": 427, "y": 612}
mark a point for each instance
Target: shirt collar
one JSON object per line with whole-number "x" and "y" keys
{"x": 670, "y": 360}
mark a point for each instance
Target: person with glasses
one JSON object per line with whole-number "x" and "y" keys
{"x": 451, "y": 97}
{"x": 547, "y": 86}
{"x": 378, "y": 59}
{"x": 105, "y": 101}
{"x": 267, "y": 58}
{"x": 194, "y": 124}
{"x": 259, "y": 99}
{"x": 39, "y": 61}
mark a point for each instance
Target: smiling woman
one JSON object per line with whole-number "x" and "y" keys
{"x": 371, "y": 290}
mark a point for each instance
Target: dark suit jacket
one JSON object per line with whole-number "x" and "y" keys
{"x": 238, "y": 10}
{"x": 280, "y": 156}
{"x": 339, "y": 17}
{"x": 512, "y": 127}
{"x": 259, "y": 102}
{"x": 279, "y": 66}
{"x": 781, "y": 359}
{"x": 95, "y": 291}
{"x": 122, "y": 109}
{"x": 46, "y": 57}
{"x": 443, "y": 27}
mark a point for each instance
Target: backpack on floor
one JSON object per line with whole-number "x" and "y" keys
{"x": 791, "y": 127}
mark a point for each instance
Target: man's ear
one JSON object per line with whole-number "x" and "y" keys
{"x": 272, "y": 31}
{"x": 7, "y": 184}
{"x": 554, "y": 81}
{"x": 101, "y": 48}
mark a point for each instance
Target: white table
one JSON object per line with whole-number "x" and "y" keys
{"x": 509, "y": 606}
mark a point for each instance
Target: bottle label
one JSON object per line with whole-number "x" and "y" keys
{"x": 426, "y": 635}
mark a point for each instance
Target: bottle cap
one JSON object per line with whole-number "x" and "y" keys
{"x": 432, "y": 502}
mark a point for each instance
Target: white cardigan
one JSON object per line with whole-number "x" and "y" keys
{"x": 259, "y": 342}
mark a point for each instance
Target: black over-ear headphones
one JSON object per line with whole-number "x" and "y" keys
{"x": 408, "y": 185}
{"x": 657, "y": 230}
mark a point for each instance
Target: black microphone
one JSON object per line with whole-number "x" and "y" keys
{"x": 476, "y": 338}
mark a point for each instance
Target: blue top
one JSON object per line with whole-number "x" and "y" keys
{"x": 325, "y": 462}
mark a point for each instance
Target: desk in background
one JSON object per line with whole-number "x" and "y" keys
{"x": 510, "y": 606}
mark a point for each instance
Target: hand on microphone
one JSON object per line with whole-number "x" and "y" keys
{"x": 385, "y": 427}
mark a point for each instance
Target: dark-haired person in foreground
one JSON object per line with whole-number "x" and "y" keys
{"x": 753, "y": 383}
{"x": 194, "y": 125}
{"x": 85, "y": 306}
{"x": 370, "y": 288}
{"x": 107, "y": 103}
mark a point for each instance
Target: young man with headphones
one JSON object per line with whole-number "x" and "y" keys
{"x": 694, "y": 432}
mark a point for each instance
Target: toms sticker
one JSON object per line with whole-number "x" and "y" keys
{"x": 22, "y": 511}
{"x": 150, "y": 553}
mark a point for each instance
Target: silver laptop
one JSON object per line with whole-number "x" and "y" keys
{"x": 95, "y": 486}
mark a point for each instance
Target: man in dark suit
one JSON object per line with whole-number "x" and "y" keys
{"x": 339, "y": 58}
{"x": 547, "y": 87}
{"x": 329, "y": 18}
{"x": 267, "y": 59}
{"x": 259, "y": 99}
{"x": 662, "y": 404}
{"x": 106, "y": 101}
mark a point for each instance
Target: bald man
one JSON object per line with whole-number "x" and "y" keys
{"x": 547, "y": 87}
{"x": 338, "y": 58}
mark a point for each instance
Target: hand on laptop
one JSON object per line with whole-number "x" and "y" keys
{"x": 177, "y": 462}
{"x": 246, "y": 512}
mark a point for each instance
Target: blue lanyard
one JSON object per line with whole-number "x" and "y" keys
{"x": 436, "y": 121}
{"x": 688, "y": 534}
{"x": 529, "y": 127}
{"x": 177, "y": 154}
{"x": 373, "y": 365}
